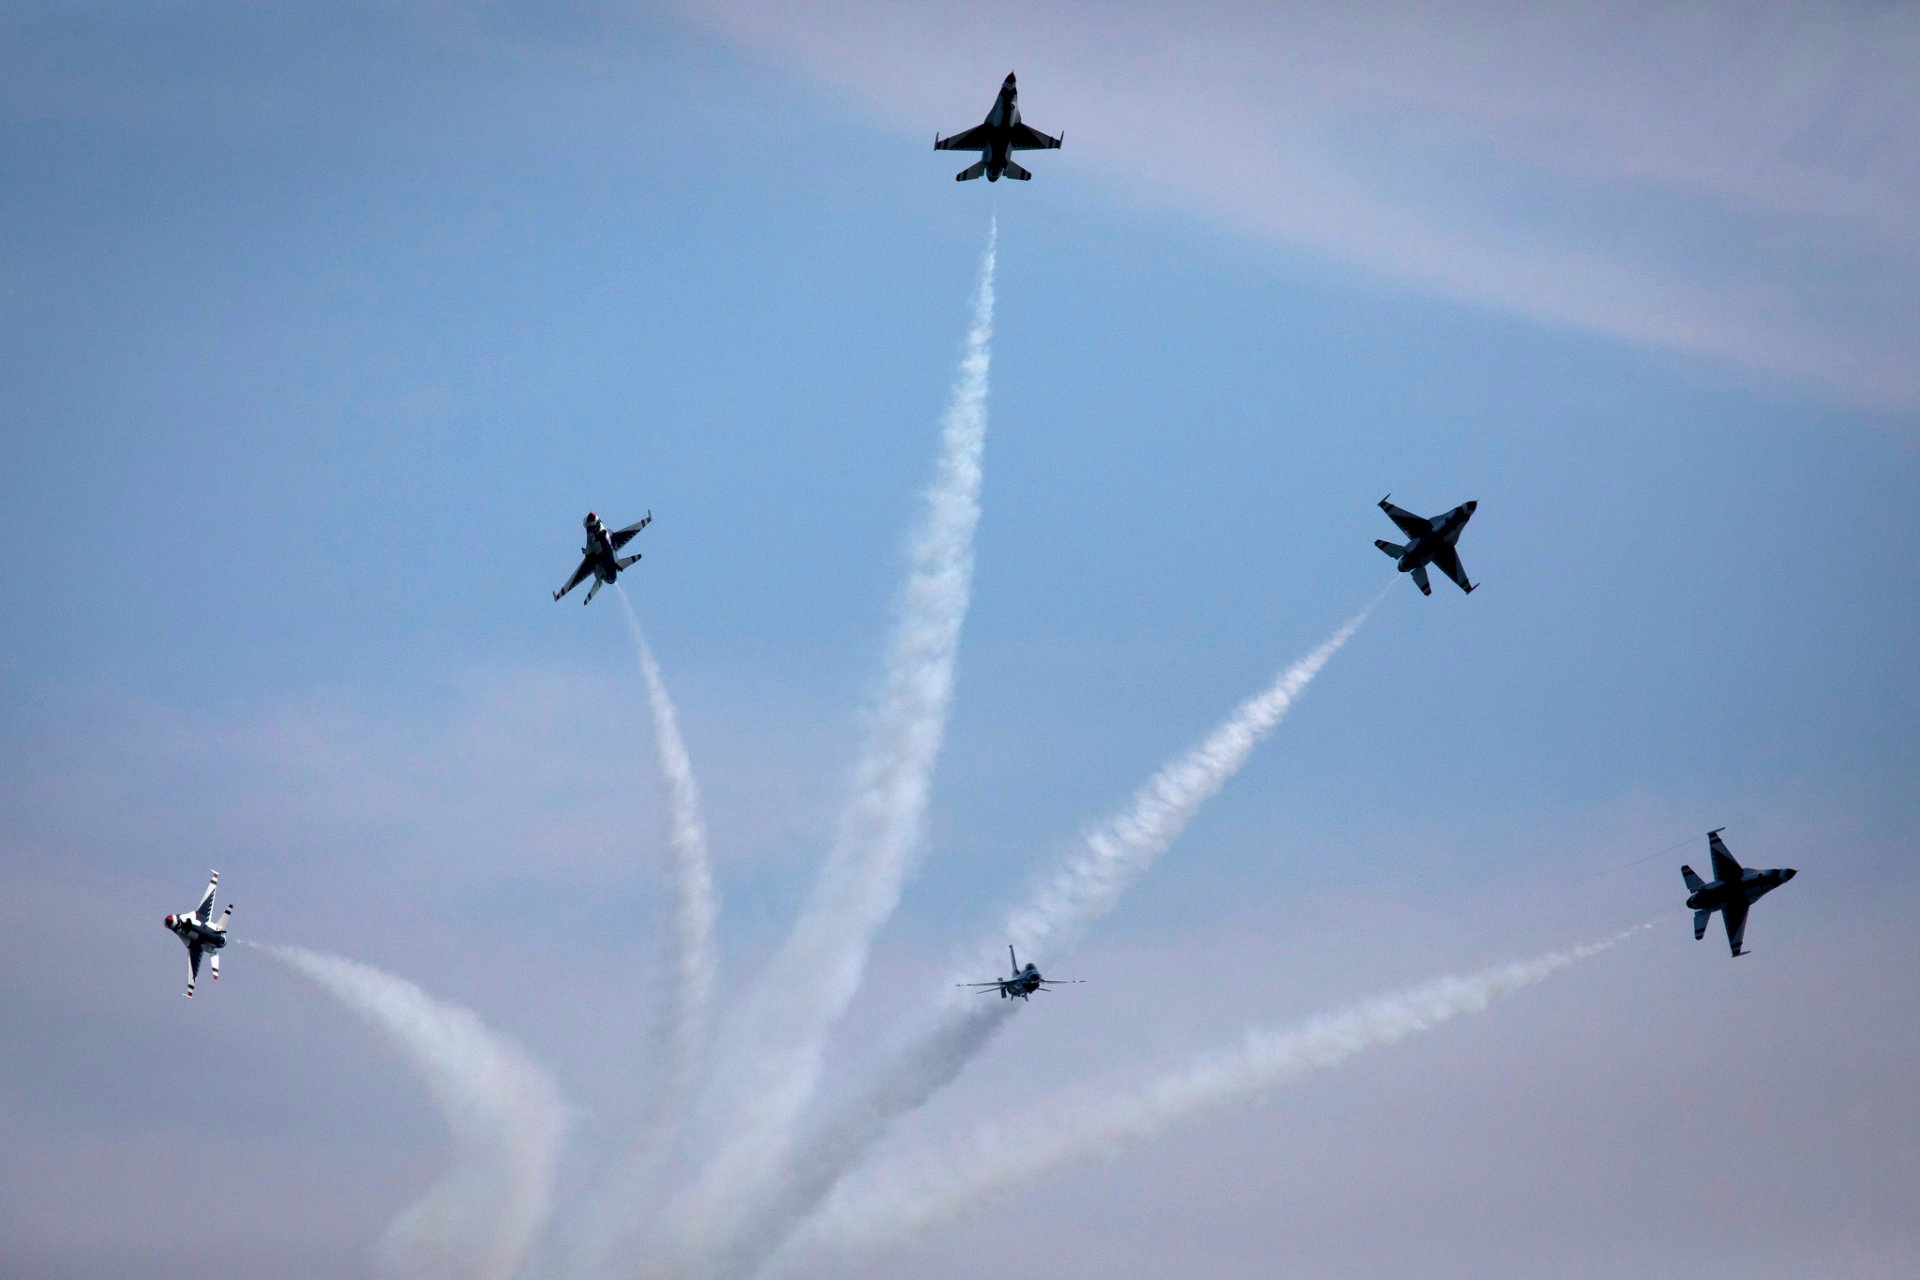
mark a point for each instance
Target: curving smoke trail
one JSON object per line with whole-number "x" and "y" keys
{"x": 484, "y": 1217}
{"x": 891, "y": 1207}
{"x": 880, "y": 830}
{"x": 1115, "y": 855}
{"x": 695, "y": 903}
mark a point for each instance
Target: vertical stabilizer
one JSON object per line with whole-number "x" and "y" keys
{"x": 1694, "y": 883}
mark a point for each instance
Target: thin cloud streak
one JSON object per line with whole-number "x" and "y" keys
{"x": 1626, "y": 171}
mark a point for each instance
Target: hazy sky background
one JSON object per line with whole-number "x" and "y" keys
{"x": 321, "y": 327}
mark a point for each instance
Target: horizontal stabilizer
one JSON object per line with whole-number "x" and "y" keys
{"x": 1014, "y": 171}
{"x": 1419, "y": 573}
{"x": 628, "y": 560}
{"x": 224, "y": 917}
{"x": 1393, "y": 549}
{"x": 1694, "y": 883}
{"x": 1700, "y": 922}
{"x": 971, "y": 172}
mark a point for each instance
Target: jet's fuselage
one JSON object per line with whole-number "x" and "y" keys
{"x": 192, "y": 932}
{"x": 1751, "y": 886}
{"x": 599, "y": 549}
{"x": 1000, "y": 120}
{"x": 1445, "y": 533}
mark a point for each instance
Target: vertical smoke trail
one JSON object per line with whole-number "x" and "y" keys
{"x": 695, "y": 906}
{"x": 610, "y": 1215}
{"x": 480, "y": 1221}
{"x": 892, "y": 1207}
{"x": 1116, "y": 854}
{"x": 881, "y": 827}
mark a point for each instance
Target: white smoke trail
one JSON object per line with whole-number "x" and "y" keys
{"x": 891, "y": 1207}
{"x": 695, "y": 904}
{"x": 481, "y": 1220}
{"x": 1120, "y": 851}
{"x": 881, "y": 828}
{"x": 610, "y": 1215}
{"x": 1116, "y": 854}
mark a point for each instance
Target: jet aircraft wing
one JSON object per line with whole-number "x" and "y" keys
{"x": 1410, "y": 524}
{"x": 1447, "y": 560}
{"x": 972, "y": 139}
{"x": 1735, "y": 913}
{"x": 204, "y": 912}
{"x": 621, "y": 537}
{"x": 1724, "y": 867}
{"x": 1024, "y": 137}
{"x": 586, "y": 567}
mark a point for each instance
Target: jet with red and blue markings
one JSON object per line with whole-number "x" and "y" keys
{"x": 1732, "y": 890}
{"x": 1431, "y": 542}
{"x": 996, "y": 139}
{"x": 202, "y": 934}
{"x": 601, "y": 556}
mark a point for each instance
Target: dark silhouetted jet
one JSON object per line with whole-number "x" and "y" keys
{"x": 1024, "y": 982}
{"x": 600, "y": 556}
{"x": 1432, "y": 544}
{"x": 996, "y": 138}
{"x": 1733, "y": 890}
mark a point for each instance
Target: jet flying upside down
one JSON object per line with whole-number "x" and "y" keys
{"x": 1432, "y": 543}
{"x": 1734, "y": 888}
{"x": 202, "y": 934}
{"x": 995, "y": 138}
{"x": 599, "y": 557}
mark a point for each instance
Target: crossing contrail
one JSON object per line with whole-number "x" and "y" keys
{"x": 1114, "y": 856}
{"x": 891, "y": 1207}
{"x": 482, "y": 1219}
{"x": 881, "y": 827}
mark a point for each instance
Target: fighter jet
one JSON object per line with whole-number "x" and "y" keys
{"x": 598, "y": 558}
{"x": 1432, "y": 543}
{"x": 1733, "y": 890}
{"x": 199, "y": 932}
{"x": 995, "y": 138}
{"x": 1024, "y": 982}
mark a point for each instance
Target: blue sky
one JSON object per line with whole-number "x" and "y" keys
{"x": 323, "y": 326}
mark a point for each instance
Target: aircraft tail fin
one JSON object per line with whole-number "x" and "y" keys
{"x": 1700, "y": 921}
{"x": 971, "y": 172}
{"x": 1393, "y": 549}
{"x": 1015, "y": 171}
{"x": 632, "y": 559}
{"x": 1694, "y": 883}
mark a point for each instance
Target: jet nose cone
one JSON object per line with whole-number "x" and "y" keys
{"x": 169, "y": 922}
{"x": 1788, "y": 874}
{"x": 1471, "y": 506}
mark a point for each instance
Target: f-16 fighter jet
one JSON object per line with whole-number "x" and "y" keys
{"x": 201, "y": 934}
{"x": 996, "y": 138}
{"x": 1023, "y": 983}
{"x": 1432, "y": 544}
{"x": 598, "y": 558}
{"x": 1733, "y": 890}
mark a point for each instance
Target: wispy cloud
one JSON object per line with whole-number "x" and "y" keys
{"x": 1732, "y": 181}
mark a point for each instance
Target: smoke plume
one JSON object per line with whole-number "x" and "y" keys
{"x": 881, "y": 827}
{"x": 891, "y": 1207}
{"x": 506, "y": 1117}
